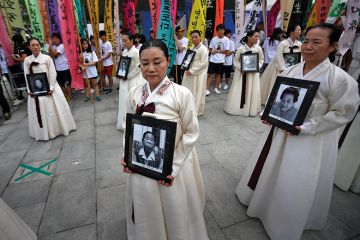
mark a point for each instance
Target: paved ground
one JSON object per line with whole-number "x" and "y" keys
{"x": 84, "y": 199}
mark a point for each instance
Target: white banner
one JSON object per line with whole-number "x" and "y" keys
{"x": 251, "y": 20}
{"x": 239, "y": 20}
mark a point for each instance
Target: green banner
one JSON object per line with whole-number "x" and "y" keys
{"x": 37, "y": 29}
{"x": 11, "y": 9}
{"x": 79, "y": 18}
{"x": 337, "y": 8}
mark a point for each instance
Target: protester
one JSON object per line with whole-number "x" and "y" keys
{"x": 270, "y": 46}
{"x": 195, "y": 77}
{"x": 90, "y": 75}
{"x": 244, "y": 97}
{"x": 181, "y": 44}
{"x": 134, "y": 78}
{"x": 107, "y": 62}
{"x": 63, "y": 77}
{"x": 155, "y": 209}
{"x": 219, "y": 47}
{"x": 92, "y": 42}
{"x": 140, "y": 39}
{"x": 4, "y": 72}
{"x": 277, "y": 65}
{"x": 49, "y": 116}
{"x": 229, "y": 58}
{"x": 292, "y": 193}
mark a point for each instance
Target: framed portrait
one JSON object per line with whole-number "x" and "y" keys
{"x": 189, "y": 57}
{"x": 249, "y": 62}
{"x": 289, "y": 102}
{"x": 292, "y": 59}
{"x": 38, "y": 84}
{"x": 123, "y": 67}
{"x": 149, "y": 146}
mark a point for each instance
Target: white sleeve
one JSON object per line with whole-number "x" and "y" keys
{"x": 227, "y": 44}
{"x": 60, "y": 49}
{"x": 109, "y": 47}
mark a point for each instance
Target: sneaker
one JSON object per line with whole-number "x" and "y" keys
{"x": 225, "y": 87}
{"x": 217, "y": 91}
{"x": 108, "y": 91}
{"x": 86, "y": 99}
{"x": 207, "y": 92}
{"x": 98, "y": 99}
{"x": 17, "y": 102}
{"x": 7, "y": 116}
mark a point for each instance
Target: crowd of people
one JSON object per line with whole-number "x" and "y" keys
{"x": 295, "y": 184}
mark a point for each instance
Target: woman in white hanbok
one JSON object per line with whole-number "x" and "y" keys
{"x": 195, "y": 77}
{"x": 244, "y": 97}
{"x": 155, "y": 209}
{"x": 51, "y": 116}
{"x": 292, "y": 193}
{"x": 277, "y": 64}
{"x": 133, "y": 79}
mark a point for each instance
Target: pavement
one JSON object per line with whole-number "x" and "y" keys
{"x": 83, "y": 198}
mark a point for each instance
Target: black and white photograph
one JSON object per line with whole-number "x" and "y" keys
{"x": 292, "y": 59}
{"x": 249, "y": 62}
{"x": 289, "y": 103}
{"x": 149, "y": 146}
{"x": 123, "y": 67}
{"x": 38, "y": 84}
{"x": 189, "y": 57}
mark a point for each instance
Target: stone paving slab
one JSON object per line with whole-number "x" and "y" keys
{"x": 87, "y": 232}
{"x": 44, "y": 150}
{"x": 18, "y": 140}
{"x": 106, "y": 117}
{"x": 85, "y": 130}
{"x": 246, "y": 230}
{"x": 31, "y": 215}
{"x": 107, "y": 136}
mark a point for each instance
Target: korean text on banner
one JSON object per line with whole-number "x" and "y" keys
{"x": 197, "y": 20}
{"x": 35, "y": 19}
{"x": 6, "y": 41}
{"x": 337, "y": 8}
{"x": 210, "y": 19}
{"x": 53, "y": 16}
{"x": 45, "y": 19}
{"x": 323, "y": 7}
{"x": 117, "y": 31}
{"x": 93, "y": 9}
{"x": 286, "y": 7}
{"x": 251, "y": 20}
{"x": 154, "y": 10}
{"x": 11, "y": 9}
{"x": 239, "y": 19}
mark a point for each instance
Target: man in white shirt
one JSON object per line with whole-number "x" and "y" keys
{"x": 181, "y": 43}
{"x": 106, "y": 51}
{"x": 229, "y": 57}
{"x": 63, "y": 76}
{"x": 219, "y": 47}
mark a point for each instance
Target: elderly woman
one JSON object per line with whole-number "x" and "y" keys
{"x": 291, "y": 191}
{"x": 155, "y": 209}
{"x": 50, "y": 115}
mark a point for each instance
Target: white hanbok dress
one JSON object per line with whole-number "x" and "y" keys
{"x": 55, "y": 111}
{"x": 196, "y": 82}
{"x": 11, "y": 225}
{"x": 176, "y": 212}
{"x": 294, "y": 189}
{"x": 276, "y": 65}
{"x": 134, "y": 78}
{"x": 252, "y": 104}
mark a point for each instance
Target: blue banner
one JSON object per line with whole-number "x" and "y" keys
{"x": 146, "y": 23}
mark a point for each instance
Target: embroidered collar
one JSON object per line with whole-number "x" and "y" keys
{"x": 160, "y": 89}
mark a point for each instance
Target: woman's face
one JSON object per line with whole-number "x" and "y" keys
{"x": 316, "y": 46}
{"x": 195, "y": 38}
{"x": 254, "y": 38}
{"x": 127, "y": 42}
{"x": 287, "y": 102}
{"x": 149, "y": 141}
{"x": 35, "y": 47}
{"x": 297, "y": 32}
{"x": 154, "y": 65}
{"x": 84, "y": 45}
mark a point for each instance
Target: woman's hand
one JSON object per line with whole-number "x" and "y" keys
{"x": 188, "y": 73}
{"x": 289, "y": 133}
{"x": 266, "y": 122}
{"x": 125, "y": 168}
{"x": 30, "y": 94}
{"x": 50, "y": 92}
{"x": 167, "y": 184}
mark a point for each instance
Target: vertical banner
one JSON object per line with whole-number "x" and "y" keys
{"x": 69, "y": 36}
{"x": 188, "y": 7}
{"x": 173, "y": 11}
{"x": 229, "y": 20}
{"x": 6, "y": 41}
{"x": 79, "y": 18}
{"x": 312, "y": 20}
{"x": 274, "y": 11}
{"x": 93, "y": 9}
{"x": 11, "y": 10}
{"x": 166, "y": 31}
{"x": 322, "y": 10}
{"x": 53, "y": 16}
{"x": 197, "y": 20}
{"x": 264, "y": 16}
{"x": 219, "y": 14}
{"x": 146, "y": 23}
{"x": 154, "y": 10}
{"x": 239, "y": 19}
{"x": 286, "y": 7}
{"x": 129, "y": 21}
{"x": 35, "y": 19}
{"x": 251, "y": 20}
{"x": 108, "y": 22}
{"x": 336, "y": 10}
{"x": 117, "y": 32}
{"x": 210, "y": 19}
{"x": 45, "y": 19}
{"x": 298, "y": 12}
{"x": 351, "y": 24}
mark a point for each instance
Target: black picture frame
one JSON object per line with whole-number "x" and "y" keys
{"x": 123, "y": 67}
{"x": 188, "y": 59}
{"x": 38, "y": 84}
{"x": 283, "y": 89}
{"x": 249, "y": 62}
{"x": 292, "y": 59}
{"x": 163, "y": 133}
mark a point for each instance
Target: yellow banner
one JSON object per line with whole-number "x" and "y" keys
{"x": 11, "y": 10}
{"x": 312, "y": 18}
{"x": 286, "y": 7}
{"x": 197, "y": 19}
{"x": 93, "y": 9}
{"x": 108, "y": 21}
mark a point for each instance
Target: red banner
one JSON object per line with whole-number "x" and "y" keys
{"x": 219, "y": 14}
{"x": 271, "y": 21}
{"x": 69, "y": 36}
{"x": 5, "y": 41}
{"x": 45, "y": 19}
{"x": 155, "y": 14}
{"x": 173, "y": 11}
{"x": 129, "y": 21}
{"x": 322, "y": 9}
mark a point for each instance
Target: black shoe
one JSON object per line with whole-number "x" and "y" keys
{"x": 109, "y": 91}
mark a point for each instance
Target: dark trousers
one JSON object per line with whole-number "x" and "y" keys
{"x": 4, "y": 104}
{"x": 180, "y": 74}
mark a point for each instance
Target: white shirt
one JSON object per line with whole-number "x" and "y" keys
{"x": 229, "y": 59}
{"x": 61, "y": 62}
{"x": 91, "y": 71}
{"x": 105, "y": 48}
{"x": 3, "y": 64}
{"x": 139, "y": 46}
{"x": 270, "y": 50}
{"x": 219, "y": 44}
{"x": 142, "y": 154}
{"x": 180, "y": 55}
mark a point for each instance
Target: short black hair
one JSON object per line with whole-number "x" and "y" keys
{"x": 195, "y": 31}
{"x": 155, "y": 43}
{"x": 227, "y": 31}
{"x": 130, "y": 35}
{"x": 291, "y": 28}
{"x": 293, "y": 91}
{"x": 91, "y": 37}
{"x": 335, "y": 32}
{"x": 89, "y": 45}
{"x": 56, "y": 35}
{"x": 147, "y": 132}
{"x": 248, "y": 34}
{"x": 220, "y": 26}
{"x": 102, "y": 33}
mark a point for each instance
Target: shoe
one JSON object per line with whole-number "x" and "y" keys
{"x": 108, "y": 91}
{"x": 217, "y": 91}
{"x": 7, "y": 116}
{"x": 17, "y": 102}
{"x": 207, "y": 92}
{"x": 225, "y": 87}
{"x": 86, "y": 99}
{"x": 98, "y": 99}
{"x": 219, "y": 85}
